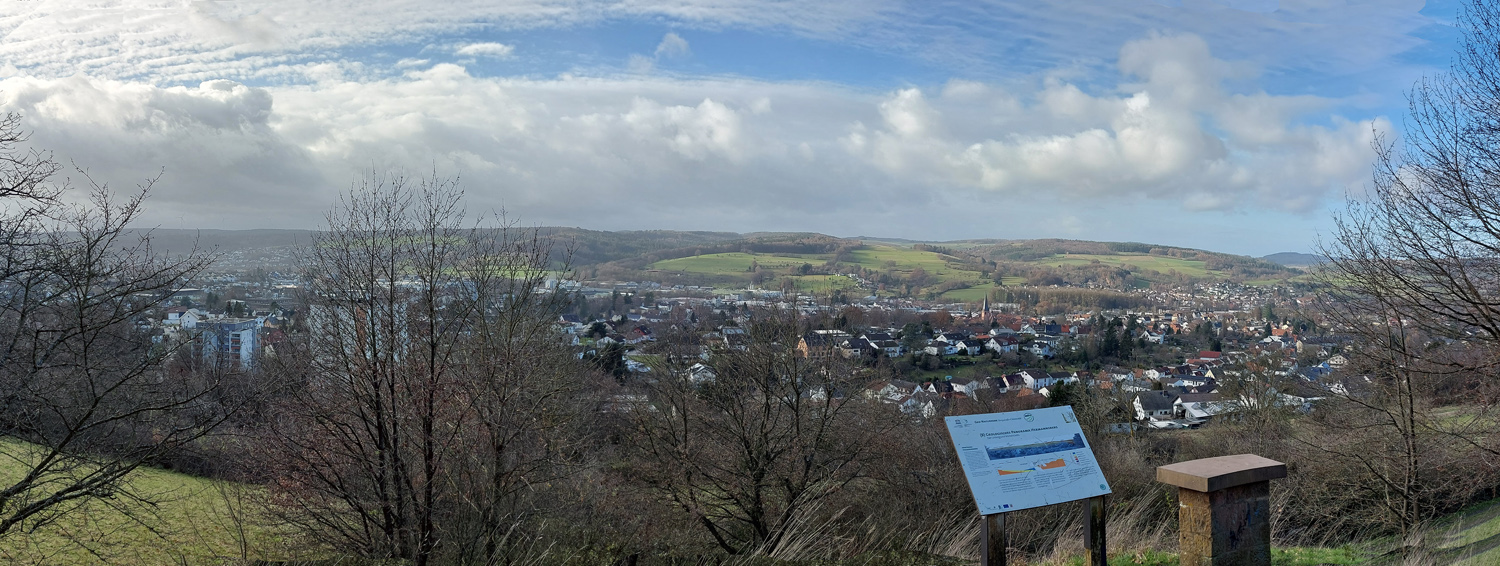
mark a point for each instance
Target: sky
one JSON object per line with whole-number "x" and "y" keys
{"x": 1230, "y": 125}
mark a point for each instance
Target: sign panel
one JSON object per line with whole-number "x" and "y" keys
{"x": 1025, "y": 459}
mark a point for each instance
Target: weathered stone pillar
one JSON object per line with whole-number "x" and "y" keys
{"x": 1224, "y": 509}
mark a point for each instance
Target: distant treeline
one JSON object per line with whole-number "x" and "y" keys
{"x": 579, "y": 247}
{"x": 1011, "y": 259}
{"x": 1067, "y": 298}
{"x": 933, "y": 249}
{"x": 1076, "y": 275}
{"x": 816, "y": 244}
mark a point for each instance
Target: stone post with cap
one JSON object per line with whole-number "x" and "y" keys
{"x": 1224, "y": 509}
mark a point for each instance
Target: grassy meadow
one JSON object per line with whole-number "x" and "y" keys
{"x": 736, "y": 267}
{"x": 188, "y": 520}
{"x": 733, "y": 269}
{"x": 1141, "y": 262}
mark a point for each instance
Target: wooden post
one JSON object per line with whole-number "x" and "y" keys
{"x": 992, "y": 540}
{"x": 1093, "y": 532}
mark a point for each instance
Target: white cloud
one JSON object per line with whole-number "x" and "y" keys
{"x": 1175, "y": 135}
{"x": 486, "y": 49}
{"x": 169, "y": 42}
{"x": 172, "y": 42}
{"x": 640, "y": 64}
{"x": 643, "y": 151}
{"x": 672, "y": 45}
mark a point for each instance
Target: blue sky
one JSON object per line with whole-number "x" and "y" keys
{"x": 1233, "y": 125}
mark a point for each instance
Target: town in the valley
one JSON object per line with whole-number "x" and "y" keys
{"x": 1165, "y": 363}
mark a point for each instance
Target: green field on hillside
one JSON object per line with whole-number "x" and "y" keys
{"x": 736, "y": 263}
{"x": 905, "y": 260}
{"x": 824, "y": 283}
{"x": 734, "y": 268}
{"x": 898, "y": 261}
{"x": 191, "y": 521}
{"x": 1144, "y": 262}
{"x": 973, "y": 294}
{"x": 879, "y": 258}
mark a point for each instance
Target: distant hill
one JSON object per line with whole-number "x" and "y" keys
{"x": 959, "y": 269}
{"x": 238, "y": 248}
{"x": 1294, "y": 259}
{"x": 222, "y": 241}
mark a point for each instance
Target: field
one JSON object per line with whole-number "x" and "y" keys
{"x": 733, "y": 269}
{"x": 191, "y": 522}
{"x": 728, "y": 263}
{"x": 875, "y": 257}
{"x": 736, "y": 266}
{"x": 906, "y": 260}
{"x": 1143, "y": 262}
{"x": 973, "y": 294}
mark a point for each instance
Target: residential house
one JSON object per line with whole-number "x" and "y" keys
{"x": 700, "y": 373}
{"x": 890, "y": 391}
{"x": 1010, "y": 383}
{"x": 923, "y": 408}
{"x": 891, "y": 348}
{"x": 951, "y": 337}
{"x": 1150, "y": 404}
{"x": 1035, "y": 378}
{"x": 1057, "y": 377}
{"x": 857, "y": 348}
{"x": 1200, "y": 406}
{"x": 174, "y": 315}
{"x": 968, "y": 386}
{"x": 1002, "y": 344}
{"x": 638, "y": 334}
{"x": 941, "y": 348}
{"x": 817, "y": 345}
{"x": 1042, "y": 348}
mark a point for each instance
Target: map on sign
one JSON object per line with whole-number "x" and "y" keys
{"x": 1025, "y": 459}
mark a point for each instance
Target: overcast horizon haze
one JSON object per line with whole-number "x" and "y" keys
{"x": 1234, "y": 126}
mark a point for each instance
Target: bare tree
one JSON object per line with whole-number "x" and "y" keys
{"x": 1426, "y": 242}
{"x": 1414, "y": 271}
{"x": 770, "y": 435}
{"x": 435, "y": 387}
{"x": 84, "y": 400}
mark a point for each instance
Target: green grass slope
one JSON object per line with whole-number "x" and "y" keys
{"x": 961, "y": 271}
{"x": 1137, "y": 261}
{"x": 735, "y": 268}
{"x": 1468, "y": 538}
{"x": 189, "y": 520}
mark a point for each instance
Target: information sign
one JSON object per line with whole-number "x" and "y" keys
{"x": 1024, "y": 459}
